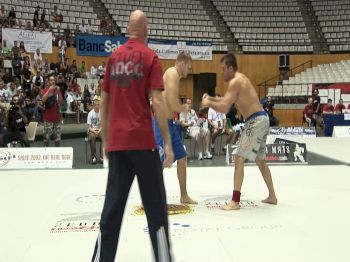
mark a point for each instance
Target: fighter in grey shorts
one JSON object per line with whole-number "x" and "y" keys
{"x": 253, "y": 139}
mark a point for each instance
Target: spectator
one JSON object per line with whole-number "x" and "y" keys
{"x": 29, "y": 26}
{"x": 4, "y": 93}
{"x": 7, "y": 76}
{"x": 62, "y": 46}
{"x": 86, "y": 98}
{"x": 236, "y": 122}
{"x": 27, "y": 83}
{"x": 74, "y": 86}
{"x": 15, "y": 48}
{"x": 46, "y": 66}
{"x": 75, "y": 105}
{"x": 22, "y": 50}
{"x": 51, "y": 97}
{"x": 38, "y": 60}
{"x": 82, "y": 69}
{"x": 17, "y": 66}
{"x": 68, "y": 35}
{"x": 309, "y": 113}
{"x": 57, "y": 16}
{"x": 92, "y": 89}
{"x": 2, "y": 16}
{"x": 328, "y": 108}
{"x": 218, "y": 125}
{"x": 268, "y": 107}
{"x": 102, "y": 70}
{"x": 73, "y": 69}
{"x": 339, "y": 107}
{"x": 97, "y": 95}
{"x": 93, "y": 71}
{"x": 26, "y": 66}
{"x": 6, "y": 50}
{"x": 43, "y": 21}
{"x": 38, "y": 80}
{"x": 103, "y": 26}
{"x": 36, "y": 16}
{"x": 3, "y": 114}
{"x": 83, "y": 27}
{"x": 94, "y": 131}
{"x": 12, "y": 16}
{"x": 89, "y": 27}
{"x": 29, "y": 107}
{"x": 194, "y": 128}
{"x": 16, "y": 121}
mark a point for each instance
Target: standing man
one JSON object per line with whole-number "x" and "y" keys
{"x": 133, "y": 74}
{"x": 241, "y": 92}
{"x": 171, "y": 79}
{"x": 51, "y": 98}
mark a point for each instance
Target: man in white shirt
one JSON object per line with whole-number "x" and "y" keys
{"x": 83, "y": 27}
{"x": 194, "y": 128}
{"x": 93, "y": 71}
{"x": 88, "y": 27}
{"x": 218, "y": 124}
{"x": 94, "y": 130}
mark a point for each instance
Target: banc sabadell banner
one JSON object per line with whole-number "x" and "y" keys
{"x": 95, "y": 45}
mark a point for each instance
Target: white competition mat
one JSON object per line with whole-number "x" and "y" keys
{"x": 53, "y": 216}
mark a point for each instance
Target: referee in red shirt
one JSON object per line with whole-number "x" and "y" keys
{"x": 133, "y": 74}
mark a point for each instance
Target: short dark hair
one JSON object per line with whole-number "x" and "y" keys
{"x": 329, "y": 100}
{"x": 230, "y": 60}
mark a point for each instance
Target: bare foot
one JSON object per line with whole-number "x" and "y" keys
{"x": 231, "y": 206}
{"x": 270, "y": 200}
{"x": 188, "y": 200}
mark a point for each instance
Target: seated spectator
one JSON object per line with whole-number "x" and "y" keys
{"x": 194, "y": 128}
{"x": 46, "y": 66}
{"x": 339, "y": 107}
{"x": 86, "y": 98}
{"x": 73, "y": 69}
{"x": 27, "y": 83}
{"x": 38, "y": 60}
{"x": 29, "y": 106}
{"x": 82, "y": 70}
{"x": 15, "y": 48}
{"x": 3, "y": 113}
{"x": 94, "y": 131}
{"x": 38, "y": 80}
{"x": 15, "y": 122}
{"x": 89, "y": 27}
{"x": 309, "y": 113}
{"x": 268, "y": 107}
{"x": 29, "y": 26}
{"x": 83, "y": 27}
{"x": 328, "y": 108}
{"x": 74, "y": 86}
{"x": 93, "y": 71}
{"x": 57, "y": 16}
{"x": 12, "y": 90}
{"x": 43, "y": 22}
{"x": 19, "y": 25}
{"x": 236, "y": 122}
{"x": 218, "y": 125}
{"x": 4, "y": 93}
{"x": 75, "y": 105}
{"x": 97, "y": 95}
{"x": 22, "y": 50}
{"x": 92, "y": 89}
{"x": 102, "y": 70}
{"x": 6, "y": 51}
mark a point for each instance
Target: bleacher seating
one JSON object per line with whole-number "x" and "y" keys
{"x": 334, "y": 19}
{"x": 183, "y": 20}
{"x": 73, "y": 11}
{"x": 266, "y": 26}
{"x": 301, "y": 84}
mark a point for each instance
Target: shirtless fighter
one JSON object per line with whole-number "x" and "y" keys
{"x": 171, "y": 79}
{"x": 241, "y": 92}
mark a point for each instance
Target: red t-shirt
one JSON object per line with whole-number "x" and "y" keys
{"x": 339, "y": 108}
{"x": 328, "y": 108}
{"x": 52, "y": 114}
{"x": 75, "y": 87}
{"x": 131, "y": 72}
{"x": 309, "y": 110}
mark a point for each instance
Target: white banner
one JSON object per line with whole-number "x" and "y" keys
{"x": 169, "y": 49}
{"x": 36, "y": 158}
{"x": 341, "y": 131}
{"x": 32, "y": 39}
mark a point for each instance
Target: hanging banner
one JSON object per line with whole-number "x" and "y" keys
{"x": 99, "y": 45}
{"x": 36, "y": 158}
{"x": 169, "y": 49}
{"x": 293, "y": 131}
{"x": 32, "y": 39}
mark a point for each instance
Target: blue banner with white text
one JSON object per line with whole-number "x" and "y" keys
{"x": 96, "y": 45}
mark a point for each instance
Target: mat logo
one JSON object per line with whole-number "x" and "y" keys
{"x": 5, "y": 157}
{"x": 77, "y": 222}
{"x": 219, "y": 204}
{"x": 175, "y": 229}
{"x": 90, "y": 199}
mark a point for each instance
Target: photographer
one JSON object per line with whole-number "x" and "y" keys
{"x": 15, "y": 122}
{"x": 52, "y": 98}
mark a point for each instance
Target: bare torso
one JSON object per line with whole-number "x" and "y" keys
{"x": 247, "y": 102}
{"x": 171, "y": 80}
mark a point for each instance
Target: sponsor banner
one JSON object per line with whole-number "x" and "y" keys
{"x": 94, "y": 45}
{"x": 293, "y": 131}
{"x": 169, "y": 49}
{"x": 281, "y": 152}
{"x": 36, "y": 158}
{"x": 32, "y": 39}
{"x": 97, "y": 45}
{"x": 341, "y": 131}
